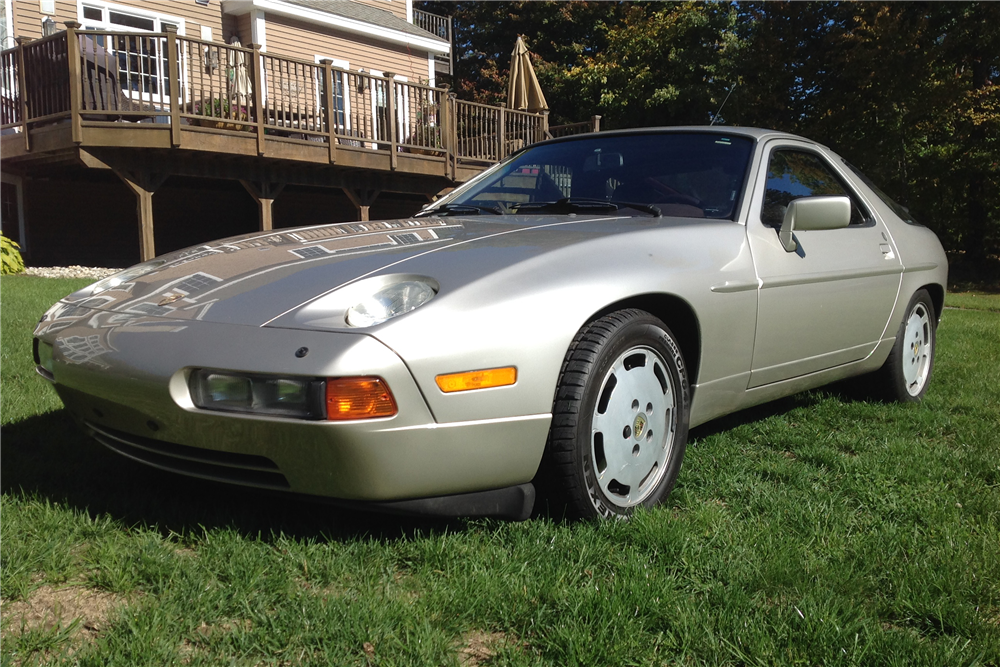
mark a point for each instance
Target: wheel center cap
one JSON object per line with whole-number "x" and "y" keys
{"x": 639, "y": 425}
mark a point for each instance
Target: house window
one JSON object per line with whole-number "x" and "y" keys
{"x": 341, "y": 116}
{"x": 142, "y": 61}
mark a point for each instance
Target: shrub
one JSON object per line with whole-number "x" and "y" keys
{"x": 11, "y": 253}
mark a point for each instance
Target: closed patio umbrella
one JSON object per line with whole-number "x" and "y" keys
{"x": 240, "y": 87}
{"x": 523, "y": 91}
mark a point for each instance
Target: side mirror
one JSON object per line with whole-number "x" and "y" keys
{"x": 807, "y": 213}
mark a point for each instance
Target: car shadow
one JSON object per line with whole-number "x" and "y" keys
{"x": 851, "y": 390}
{"x": 49, "y": 458}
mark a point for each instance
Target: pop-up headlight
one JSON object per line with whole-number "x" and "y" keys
{"x": 128, "y": 275}
{"x": 390, "y": 301}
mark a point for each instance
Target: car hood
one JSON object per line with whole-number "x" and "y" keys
{"x": 255, "y": 278}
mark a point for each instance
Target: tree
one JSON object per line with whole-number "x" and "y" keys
{"x": 906, "y": 91}
{"x": 664, "y": 64}
{"x": 557, "y": 34}
{"x": 903, "y": 90}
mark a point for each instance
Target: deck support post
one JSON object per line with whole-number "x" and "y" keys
{"x": 143, "y": 184}
{"x": 362, "y": 198}
{"x": 264, "y": 194}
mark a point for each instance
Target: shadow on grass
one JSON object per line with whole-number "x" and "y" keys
{"x": 48, "y": 457}
{"x": 851, "y": 390}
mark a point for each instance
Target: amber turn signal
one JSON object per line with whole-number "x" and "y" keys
{"x": 358, "y": 398}
{"x": 490, "y": 377}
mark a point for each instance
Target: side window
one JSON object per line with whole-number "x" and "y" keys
{"x": 792, "y": 174}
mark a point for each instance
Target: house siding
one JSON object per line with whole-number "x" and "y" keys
{"x": 28, "y": 15}
{"x": 296, "y": 39}
{"x": 243, "y": 26}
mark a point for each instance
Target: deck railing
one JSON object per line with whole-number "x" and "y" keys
{"x": 439, "y": 26}
{"x": 592, "y": 125}
{"x": 97, "y": 77}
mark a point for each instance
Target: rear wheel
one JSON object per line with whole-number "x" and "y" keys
{"x": 907, "y": 372}
{"x": 620, "y": 419}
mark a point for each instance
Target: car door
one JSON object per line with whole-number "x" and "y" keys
{"x": 828, "y": 302}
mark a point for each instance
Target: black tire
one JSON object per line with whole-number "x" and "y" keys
{"x": 906, "y": 374}
{"x": 588, "y": 450}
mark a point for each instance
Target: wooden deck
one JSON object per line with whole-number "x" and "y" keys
{"x": 152, "y": 105}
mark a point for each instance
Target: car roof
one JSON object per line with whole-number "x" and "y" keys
{"x": 750, "y": 132}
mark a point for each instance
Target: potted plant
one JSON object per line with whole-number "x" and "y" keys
{"x": 218, "y": 113}
{"x": 424, "y": 139}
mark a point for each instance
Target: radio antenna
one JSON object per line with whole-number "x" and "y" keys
{"x": 716, "y": 116}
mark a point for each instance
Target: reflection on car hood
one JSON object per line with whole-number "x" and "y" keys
{"x": 253, "y": 278}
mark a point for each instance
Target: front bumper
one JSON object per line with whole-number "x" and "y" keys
{"x": 124, "y": 379}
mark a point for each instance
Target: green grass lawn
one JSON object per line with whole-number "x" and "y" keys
{"x": 823, "y": 529}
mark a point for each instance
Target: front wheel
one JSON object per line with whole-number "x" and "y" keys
{"x": 620, "y": 419}
{"x": 907, "y": 372}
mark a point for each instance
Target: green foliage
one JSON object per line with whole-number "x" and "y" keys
{"x": 220, "y": 108}
{"x": 663, "y": 64}
{"x": 10, "y": 253}
{"x": 906, "y": 91}
{"x": 903, "y": 90}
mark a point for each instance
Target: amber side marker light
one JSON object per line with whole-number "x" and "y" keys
{"x": 490, "y": 377}
{"x": 358, "y": 398}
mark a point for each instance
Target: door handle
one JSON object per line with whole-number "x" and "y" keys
{"x": 887, "y": 252}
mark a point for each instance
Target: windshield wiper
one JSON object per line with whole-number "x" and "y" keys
{"x": 583, "y": 204}
{"x": 458, "y": 209}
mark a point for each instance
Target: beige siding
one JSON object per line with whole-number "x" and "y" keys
{"x": 244, "y": 29}
{"x": 28, "y": 15}
{"x": 295, "y": 39}
{"x": 397, "y": 7}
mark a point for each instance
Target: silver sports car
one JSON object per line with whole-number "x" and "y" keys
{"x": 558, "y": 322}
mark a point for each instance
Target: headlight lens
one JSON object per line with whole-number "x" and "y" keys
{"x": 303, "y": 398}
{"x": 390, "y": 301}
{"x": 127, "y": 275}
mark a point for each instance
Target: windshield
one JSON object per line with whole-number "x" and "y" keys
{"x": 679, "y": 174}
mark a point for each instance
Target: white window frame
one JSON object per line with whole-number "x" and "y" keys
{"x": 344, "y": 65}
{"x": 158, "y": 20}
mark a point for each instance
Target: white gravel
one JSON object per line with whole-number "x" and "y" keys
{"x": 93, "y": 272}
